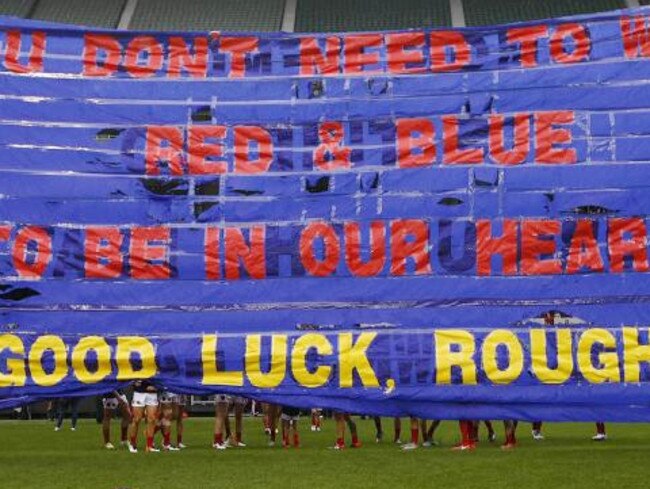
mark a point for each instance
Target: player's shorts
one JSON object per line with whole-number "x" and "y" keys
{"x": 222, "y": 399}
{"x": 142, "y": 399}
{"x": 167, "y": 397}
{"x": 289, "y": 417}
{"x": 242, "y": 401}
{"x": 113, "y": 402}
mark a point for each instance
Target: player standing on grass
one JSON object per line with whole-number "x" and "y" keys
{"x": 316, "y": 419}
{"x": 178, "y": 407}
{"x": 415, "y": 431}
{"x": 290, "y": 416}
{"x": 239, "y": 404}
{"x": 145, "y": 406}
{"x": 167, "y": 400}
{"x": 341, "y": 420}
{"x": 222, "y": 404}
{"x": 111, "y": 402}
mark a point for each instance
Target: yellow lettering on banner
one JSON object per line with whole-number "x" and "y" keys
{"x": 42, "y": 344}
{"x": 126, "y": 347}
{"x": 446, "y": 359}
{"x": 539, "y": 358}
{"x": 303, "y": 344}
{"x": 211, "y": 375}
{"x": 16, "y": 375}
{"x": 609, "y": 372}
{"x": 278, "y": 370}
{"x": 633, "y": 354}
{"x": 515, "y": 356}
{"x": 79, "y": 354}
{"x": 352, "y": 356}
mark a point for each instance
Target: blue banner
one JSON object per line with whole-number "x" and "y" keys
{"x": 450, "y": 224}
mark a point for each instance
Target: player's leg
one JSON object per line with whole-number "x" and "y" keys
{"x": 74, "y": 412}
{"x": 379, "y": 432}
{"x": 315, "y": 419}
{"x": 491, "y": 434}
{"x": 138, "y": 407}
{"x": 466, "y": 432}
{"x": 601, "y": 434}
{"x": 152, "y": 415}
{"x": 60, "y": 412}
{"x": 178, "y": 415}
{"x": 166, "y": 415}
{"x": 285, "y": 420}
{"x": 296, "y": 435}
{"x": 220, "y": 417}
{"x": 339, "y": 419}
{"x": 274, "y": 412}
{"x": 510, "y": 429}
{"x": 352, "y": 426}
{"x": 431, "y": 432}
{"x": 397, "y": 431}
{"x": 106, "y": 425}
{"x": 415, "y": 432}
{"x": 125, "y": 413}
{"x": 537, "y": 431}
{"x": 238, "y": 410}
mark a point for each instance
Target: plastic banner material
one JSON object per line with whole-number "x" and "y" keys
{"x": 441, "y": 223}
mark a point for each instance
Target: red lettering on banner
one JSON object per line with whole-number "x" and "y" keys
{"x": 504, "y": 246}
{"x": 533, "y": 245}
{"x": 238, "y": 48}
{"x": 312, "y": 59}
{"x": 331, "y": 245}
{"x": 331, "y": 154}
{"x": 444, "y": 43}
{"x": 415, "y": 134}
{"x": 13, "y": 48}
{"x": 580, "y": 39}
{"x": 5, "y": 233}
{"x": 212, "y": 253}
{"x": 140, "y": 66}
{"x": 35, "y": 267}
{"x": 356, "y": 57}
{"x": 201, "y": 150}
{"x": 583, "y": 250}
{"x": 103, "y": 258}
{"x": 527, "y": 37}
{"x": 93, "y": 45}
{"x": 636, "y": 36}
{"x": 261, "y": 138}
{"x": 163, "y": 144}
{"x": 149, "y": 253}
{"x": 409, "y": 238}
{"x": 252, "y": 257}
{"x": 181, "y": 59}
{"x": 404, "y": 49}
{"x": 627, "y": 237}
{"x": 521, "y": 137}
{"x": 547, "y": 135}
{"x": 452, "y": 154}
{"x": 377, "y": 246}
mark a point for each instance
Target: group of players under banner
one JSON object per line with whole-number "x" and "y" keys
{"x": 159, "y": 409}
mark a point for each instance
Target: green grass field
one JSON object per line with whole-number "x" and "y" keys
{"x": 32, "y": 455}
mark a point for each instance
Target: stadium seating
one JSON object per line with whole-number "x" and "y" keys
{"x": 360, "y": 15}
{"x": 99, "y": 13}
{"x": 480, "y": 12}
{"x": 19, "y": 8}
{"x": 209, "y": 15}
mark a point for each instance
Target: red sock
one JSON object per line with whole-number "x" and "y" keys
{"x": 218, "y": 438}
{"x": 414, "y": 435}
{"x": 150, "y": 441}
{"x": 134, "y": 441}
{"x": 355, "y": 438}
{"x": 296, "y": 440}
{"x": 340, "y": 441}
{"x": 465, "y": 430}
{"x": 166, "y": 437}
{"x": 600, "y": 428}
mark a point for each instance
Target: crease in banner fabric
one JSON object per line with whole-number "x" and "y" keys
{"x": 449, "y": 224}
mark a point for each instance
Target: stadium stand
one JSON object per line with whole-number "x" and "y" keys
{"x": 19, "y": 8}
{"x": 480, "y": 12}
{"x": 368, "y": 15}
{"x": 98, "y": 13}
{"x": 208, "y": 15}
